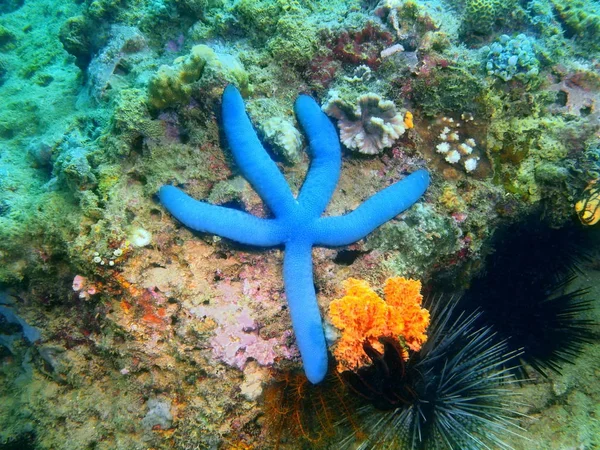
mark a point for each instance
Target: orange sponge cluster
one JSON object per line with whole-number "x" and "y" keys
{"x": 362, "y": 315}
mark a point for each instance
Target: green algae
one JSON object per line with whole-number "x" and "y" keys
{"x": 450, "y": 89}
{"x": 581, "y": 21}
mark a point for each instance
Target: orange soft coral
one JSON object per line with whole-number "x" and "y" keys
{"x": 404, "y": 299}
{"x": 362, "y": 315}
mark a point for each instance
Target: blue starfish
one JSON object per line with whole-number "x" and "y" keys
{"x": 297, "y": 224}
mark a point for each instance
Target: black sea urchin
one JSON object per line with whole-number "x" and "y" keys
{"x": 452, "y": 394}
{"x": 523, "y": 294}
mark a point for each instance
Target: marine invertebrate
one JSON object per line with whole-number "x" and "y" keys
{"x": 480, "y": 16}
{"x": 529, "y": 273}
{"x": 295, "y": 42}
{"x": 174, "y": 85}
{"x": 424, "y": 236}
{"x": 588, "y": 208}
{"x": 297, "y": 224}
{"x": 448, "y": 395}
{"x": 139, "y": 237}
{"x": 513, "y": 58}
{"x": 322, "y": 70}
{"x": 297, "y": 409}
{"x": 125, "y": 42}
{"x": 438, "y": 90}
{"x": 236, "y": 338}
{"x": 581, "y": 22}
{"x": 577, "y": 94}
{"x": 158, "y": 415}
{"x": 171, "y": 85}
{"x": 283, "y": 137}
{"x": 373, "y": 125}
{"x": 83, "y": 288}
{"x": 364, "y": 318}
{"x": 362, "y": 46}
{"x": 72, "y": 167}
{"x": 451, "y": 146}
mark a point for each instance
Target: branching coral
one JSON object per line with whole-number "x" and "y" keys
{"x": 364, "y": 318}
{"x": 373, "y": 125}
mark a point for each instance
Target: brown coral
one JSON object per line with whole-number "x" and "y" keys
{"x": 579, "y": 94}
{"x": 363, "y": 317}
{"x": 373, "y": 125}
{"x": 361, "y": 46}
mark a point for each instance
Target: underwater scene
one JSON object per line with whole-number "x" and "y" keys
{"x": 299, "y": 224}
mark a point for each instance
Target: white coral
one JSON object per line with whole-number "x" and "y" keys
{"x": 442, "y": 147}
{"x": 453, "y": 157}
{"x": 471, "y": 164}
{"x": 465, "y": 149}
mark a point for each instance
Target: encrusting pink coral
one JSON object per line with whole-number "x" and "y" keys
{"x": 236, "y": 339}
{"x": 82, "y": 286}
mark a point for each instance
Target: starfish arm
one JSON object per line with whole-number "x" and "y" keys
{"x": 251, "y": 157}
{"x": 374, "y": 212}
{"x": 304, "y": 310}
{"x": 326, "y": 161}
{"x": 225, "y": 222}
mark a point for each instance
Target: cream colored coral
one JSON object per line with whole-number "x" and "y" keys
{"x": 284, "y": 138}
{"x": 370, "y": 126}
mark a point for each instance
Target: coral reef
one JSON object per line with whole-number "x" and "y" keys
{"x": 123, "y": 49}
{"x": 543, "y": 296}
{"x": 588, "y": 208}
{"x": 579, "y": 92}
{"x": 450, "y": 146}
{"x": 437, "y": 238}
{"x": 236, "y": 339}
{"x": 293, "y": 214}
{"x": 581, "y": 21}
{"x": 283, "y": 137}
{"x": 363, "y": 46}
{"x": 451, "y": 394}
{"x": 151, "y": 335}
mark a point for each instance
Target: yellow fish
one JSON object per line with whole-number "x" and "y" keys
{"x": 588, "y": 208}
